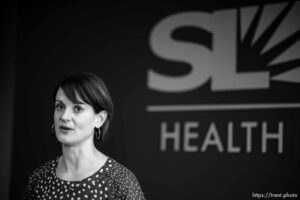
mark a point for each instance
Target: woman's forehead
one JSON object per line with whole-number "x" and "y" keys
{"x": 61, "y": 96}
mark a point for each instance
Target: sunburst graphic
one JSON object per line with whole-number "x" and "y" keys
{"x": 270, "y": 36}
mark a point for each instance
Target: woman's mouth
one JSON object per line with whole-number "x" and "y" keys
{"x": 65, "y": 128}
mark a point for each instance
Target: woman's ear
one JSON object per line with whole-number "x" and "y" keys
{"x": 101, "y": 117}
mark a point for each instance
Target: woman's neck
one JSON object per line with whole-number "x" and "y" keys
{"x": 81, "y": 158}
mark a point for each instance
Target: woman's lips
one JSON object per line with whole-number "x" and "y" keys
{"x": 65, "y": 128}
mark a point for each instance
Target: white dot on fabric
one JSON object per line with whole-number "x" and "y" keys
{"x": 111, "y": 181}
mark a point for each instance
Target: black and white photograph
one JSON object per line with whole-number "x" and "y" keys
{"x": 158, "y": 100}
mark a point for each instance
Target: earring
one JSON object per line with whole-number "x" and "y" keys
{"x": 52, "y": 129}
{"x": 98, "y": 134}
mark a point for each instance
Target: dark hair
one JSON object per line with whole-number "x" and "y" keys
{"x": 92, "y": 90}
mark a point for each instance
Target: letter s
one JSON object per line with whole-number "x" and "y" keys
{"x": 199, "y": 57}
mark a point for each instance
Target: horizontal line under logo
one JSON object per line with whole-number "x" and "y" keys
{"x": 219, "y": 107}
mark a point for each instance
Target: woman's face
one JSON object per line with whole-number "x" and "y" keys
{"x": 74, "y": 123}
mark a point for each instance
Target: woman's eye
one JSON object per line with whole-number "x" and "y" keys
{"x": 59, "y": 107}
{"x": 78, "y": 109}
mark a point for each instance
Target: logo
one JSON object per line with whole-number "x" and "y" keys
{"x": 246, "y": 49}
{"x": 263, "y": 38}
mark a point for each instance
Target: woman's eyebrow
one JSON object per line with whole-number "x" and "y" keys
{"x": 77, "y": 103}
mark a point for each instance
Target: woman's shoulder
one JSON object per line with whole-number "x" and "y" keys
{"x": 118, "y": 171}
{"x": 124, "y": 181}
{"x": 37, "y": 176}
{"x": 43, "y": 169}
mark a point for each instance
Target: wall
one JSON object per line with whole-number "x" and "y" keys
{"x": 206, "y": 94}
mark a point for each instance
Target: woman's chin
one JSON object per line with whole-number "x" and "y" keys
{"x": 65, "y": 138}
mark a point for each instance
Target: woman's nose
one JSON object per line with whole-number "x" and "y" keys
{"x": 66, "y": 115}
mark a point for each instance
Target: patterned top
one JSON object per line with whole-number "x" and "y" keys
{"x": 111, "y": 181}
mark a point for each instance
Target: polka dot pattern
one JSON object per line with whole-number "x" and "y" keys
{"x": 111, "y": 181}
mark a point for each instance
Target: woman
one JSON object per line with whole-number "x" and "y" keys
{"x": 83, "y": 111}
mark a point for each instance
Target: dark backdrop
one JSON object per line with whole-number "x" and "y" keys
{"x": 112, "y": 40}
